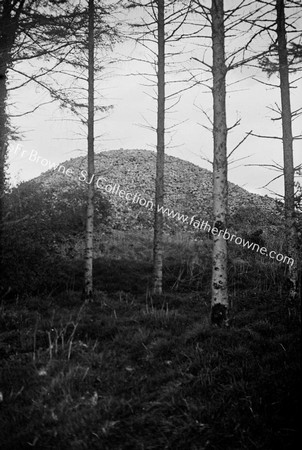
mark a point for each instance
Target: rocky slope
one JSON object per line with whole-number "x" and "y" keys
{"x": 188, "y": 189}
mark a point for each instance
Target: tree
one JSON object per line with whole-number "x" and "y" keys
{"x": 92, "y": 33}
{"x": 220, "y": 302}
{"x": 288, "y": 157}
{"x": 158, "y": 19}
{"x": 20, "y": 20}
{"x": 162, "y": 25}
{"x": 90, "y": 159}
{"x": 9, "y": 23}
{"x": 65, "y": 33}
{"x": 229, "y": 24}
{"x": 97, "y": 34}
{"x": 160, "y": 146}
{"x": 283, "y": 59}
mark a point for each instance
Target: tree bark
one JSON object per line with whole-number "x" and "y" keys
{"x": 159, "y": 183}
{"x": 9, "y": 23}
{"x": 90, "y": 160}
{"x": 288, "y": 161}
{"x": 220, "y": 303}
{"x": 3, "y": 144}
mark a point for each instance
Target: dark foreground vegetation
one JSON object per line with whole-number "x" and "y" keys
{"x": 132, "y": 371}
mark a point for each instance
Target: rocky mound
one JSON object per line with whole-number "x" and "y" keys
{"x": 127, "y": 177}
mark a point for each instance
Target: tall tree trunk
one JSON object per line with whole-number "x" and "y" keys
{"x": 219, "y": 302}
{"x": 160, "y": 159}
{"x": 8, "y": 26}
{"x": 90, "y": 159}
{"x": 3, "y": 146}
{"x": 288, "y": 161}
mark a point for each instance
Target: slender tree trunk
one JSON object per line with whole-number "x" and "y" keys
{"x": 3, "y": 146}
{"x": 288, "y": 161}
{"x": 220, "y": 302}
{"x": 159, "y": 183}
{"x": 90, "y": 159}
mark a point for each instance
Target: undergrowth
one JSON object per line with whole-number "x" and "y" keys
{"x": 139, "y": 372}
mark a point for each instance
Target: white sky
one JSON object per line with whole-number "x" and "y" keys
{"x": 56, "y": 136}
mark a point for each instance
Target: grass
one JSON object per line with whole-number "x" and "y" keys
{"x": 139, "y": 372}
{"x": 133, "y": 372}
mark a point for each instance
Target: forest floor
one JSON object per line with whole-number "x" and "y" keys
{"x": 132, "y": 371}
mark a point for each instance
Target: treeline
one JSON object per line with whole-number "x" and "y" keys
{"x": 74, "y": 41}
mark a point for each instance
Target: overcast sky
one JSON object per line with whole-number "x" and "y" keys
{"x": 55, "y": 135}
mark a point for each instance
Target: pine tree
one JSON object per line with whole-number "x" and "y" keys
{"x": 288, "y": 157}
{"x": 163, "y": 27}
{"x": 160, "y": 147}
{"x": 90, "y": 158}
